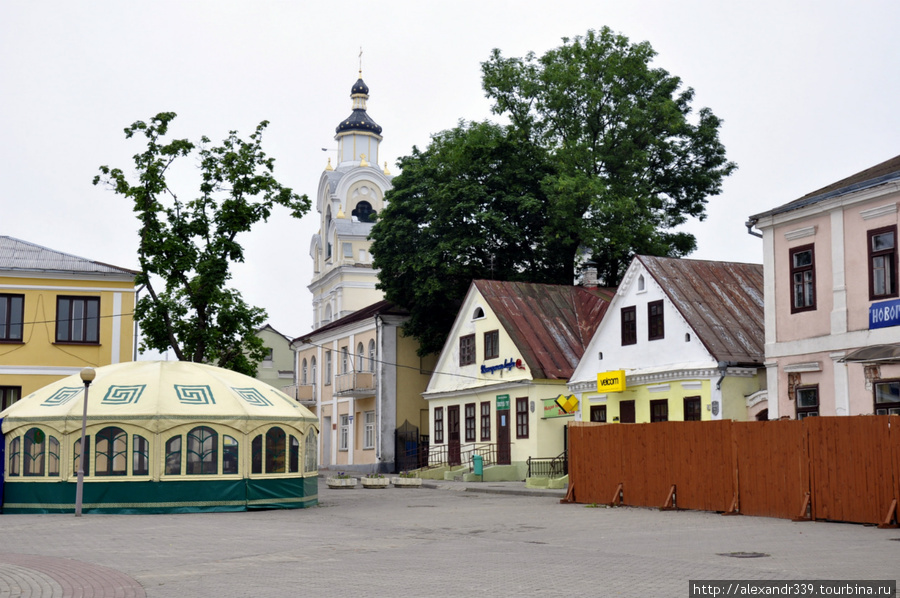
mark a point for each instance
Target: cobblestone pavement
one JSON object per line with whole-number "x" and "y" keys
{"x": 439, "y": 540}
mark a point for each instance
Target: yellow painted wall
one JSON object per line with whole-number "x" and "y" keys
{"x": 412, "y": 379}
{"x": 38, "y": 360}
{"x": 734, "y": 392}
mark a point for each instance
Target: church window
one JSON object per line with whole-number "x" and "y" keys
{"x": 364, "y": 212}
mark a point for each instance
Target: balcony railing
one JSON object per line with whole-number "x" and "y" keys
{"x": 302, "y": 393}
{"x": 354, "y": 384}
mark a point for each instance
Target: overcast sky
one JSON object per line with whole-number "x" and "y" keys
{"x": 808, "y": 92}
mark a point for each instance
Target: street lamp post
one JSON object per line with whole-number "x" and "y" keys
{"x": 87, "y": 376}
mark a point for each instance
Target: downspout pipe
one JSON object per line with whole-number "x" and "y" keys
{"x": 134, "y": 321}
{"x": 750, "y": 224}
{"x": 723, "y": 366}
{"x": 379, "y": 394}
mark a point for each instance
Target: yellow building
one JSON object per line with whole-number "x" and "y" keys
{"x": 506, "y": 360}
{"x": 58, "y": 314}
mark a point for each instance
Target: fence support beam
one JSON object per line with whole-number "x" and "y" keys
{"x": 891, "y": 517}
{"x": 802, "y": 516}
{"x": 733, "y": 509}
{"x": 570, "y": 494}
{"x": 670, "y": 500}
{"x": 617, "y": 497}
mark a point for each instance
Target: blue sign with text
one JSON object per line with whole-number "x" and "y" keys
{"x": 884, "y": 314}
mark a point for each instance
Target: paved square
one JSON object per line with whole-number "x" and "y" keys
{"x": 439, "y": 541}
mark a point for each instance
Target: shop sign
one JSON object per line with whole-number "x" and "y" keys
{"x": 884, "y": 314}
{"x": 508, "y": 364}
{"x": 611, "y": 381}
{"x": 569, "y": 404}
{"x": 502, "y": 402}
{"x": 552, "y": 409}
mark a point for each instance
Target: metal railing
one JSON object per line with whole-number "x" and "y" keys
{"x": 354, "y": 383}
{"x": 548, "y": 467}
{"x": 439, "y": 454}
{"x": 302, "y": 393}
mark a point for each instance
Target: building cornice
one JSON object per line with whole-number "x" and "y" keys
{"x": 469, "y": 390}
{"x": 660, "y": 379}
{"x": 832, "y": 343}
{"x": 69, "y": 289}
{"x": 827, "y": 205}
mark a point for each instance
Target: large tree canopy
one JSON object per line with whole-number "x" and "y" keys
{"x": 602, "y": 160}
{"x": 470, "y": 206}
{"x": 627, "y": 153}
{"x": 189, "y": 246}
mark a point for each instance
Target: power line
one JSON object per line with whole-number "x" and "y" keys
{"x": 432, "y": 372}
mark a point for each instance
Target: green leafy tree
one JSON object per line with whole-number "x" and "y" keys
{"x": 470, "y": 206}
{"x": 629, "y": 157}
{"x": 602, "y": 158}
{"x": 187, "y": 247}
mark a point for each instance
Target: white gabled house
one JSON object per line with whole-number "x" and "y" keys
{"x": 688, "y": 335}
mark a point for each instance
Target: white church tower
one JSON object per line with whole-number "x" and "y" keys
{"x": 349, "y": 200}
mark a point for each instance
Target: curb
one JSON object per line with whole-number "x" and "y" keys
{"x": 493, "y": 489}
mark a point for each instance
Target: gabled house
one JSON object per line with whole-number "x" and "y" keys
{"x": 59, "y": 313}
{"x": 507, "y": 358}
{"x": 277, "y": 367}
{"x": 364, "y": 381}
{"x": 833, "y": 297}
{"x": 686, "y": 337}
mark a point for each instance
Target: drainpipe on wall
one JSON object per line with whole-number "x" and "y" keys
{"x": 750, "y": 224}
{"x": 717, "y": 402}
{"x": 379, "y": 392}
{"x": 134, "y": 321}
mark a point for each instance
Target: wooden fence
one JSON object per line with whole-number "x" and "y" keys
{"x": 835, "y": 468}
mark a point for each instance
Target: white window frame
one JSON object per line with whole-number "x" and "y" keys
{"x": 369, "y": 438}
{"x": 327, "y": 380}
{"x": 344, "y": 436}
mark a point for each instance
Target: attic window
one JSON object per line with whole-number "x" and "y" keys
{"x": 687, "y": 337}
{"x": 479, "y": 313}
{"x": 641, "y": 284}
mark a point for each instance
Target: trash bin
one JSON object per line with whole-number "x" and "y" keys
{"x": 477, "y": 464}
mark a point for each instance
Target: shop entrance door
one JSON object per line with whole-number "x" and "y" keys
{"x": 503, "y": 448}
{"x": 453, "y": 435}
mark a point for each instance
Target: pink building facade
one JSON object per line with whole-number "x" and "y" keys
{"x": 832, "y": 316}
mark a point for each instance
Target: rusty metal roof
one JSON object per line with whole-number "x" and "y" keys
{"x": 721, "y": 301}
{"x": 18, "y": 255}
{"x": 550, "y": 324}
